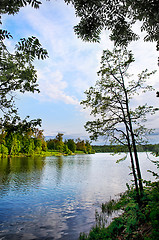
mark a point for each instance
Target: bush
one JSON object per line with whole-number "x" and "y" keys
{"x": 3, "y": 150}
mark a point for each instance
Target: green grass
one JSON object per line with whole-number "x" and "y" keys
{"x": 44, "y": 154}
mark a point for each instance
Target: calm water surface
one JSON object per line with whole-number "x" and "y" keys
{"x": 56, "y": 197}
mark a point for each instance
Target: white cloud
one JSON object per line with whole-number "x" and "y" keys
{"x": 52, "y": 87}
{"x": 66, "y": 51}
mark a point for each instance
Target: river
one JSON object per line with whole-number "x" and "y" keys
{"x": 56, "y": 197}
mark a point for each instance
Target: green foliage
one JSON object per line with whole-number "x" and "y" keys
{"x": 157, "y": 165}
{"x": 13, "y": 7}
{"x": 15, "y": 146}
{"x": 110, "y": 233}
{"x": 29, "y": 148}
{"x": 80, "y": 145}
{"x": 71, "y": 145}
{"x": 108, "y": 207}
{"x": 3, "y": 150}
{"x": 44, "y": 146}
{"x": 51, "y": 144}
{"x": 120, "y": 148}
{"x": 118, "y": 17}
{"x": 22, "y": 137}
{"x": 59, "y": 142}
{"x": 109, "y": 100}
{"x": 38, "y": 145}
{"x": 17, "y": 72}
{"x": 66, "y": 150}
{"x": 88, "y": 147}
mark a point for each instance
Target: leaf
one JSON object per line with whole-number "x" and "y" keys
{"x": 121, "y": 159}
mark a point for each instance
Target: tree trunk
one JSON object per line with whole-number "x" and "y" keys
{"x": 134, "y": 174}
{"x": 133, "y": 140}
{"x": 137, "y": 164}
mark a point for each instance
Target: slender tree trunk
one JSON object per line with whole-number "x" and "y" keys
{"x": 133, "y": 166}
{"x": 132, "y": 138}
{"x": 137, "y": 164}
{"x": 129, "y": 144}
{"x": 134, "y": 147}
{"x": 134, "y": 173}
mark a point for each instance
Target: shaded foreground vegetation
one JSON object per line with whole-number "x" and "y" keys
{"x": 135, "y": 222}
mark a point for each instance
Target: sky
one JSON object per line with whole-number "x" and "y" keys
{"x": 71, "y": 69}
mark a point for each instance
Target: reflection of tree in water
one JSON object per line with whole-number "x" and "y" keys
{"x": 20, "y": 173}
{"x": 59, "y": 166}
{"x": 64, "y": 164}
{"x": 59, "y": 163}
{"x": 4, "y": 174}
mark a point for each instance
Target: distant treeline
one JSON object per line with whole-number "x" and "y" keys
{"x": 119, "y": 148}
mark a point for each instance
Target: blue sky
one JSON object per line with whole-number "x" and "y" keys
{"x": 70, "y": 69}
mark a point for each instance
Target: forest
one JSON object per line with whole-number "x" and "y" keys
{"x": 120, "y": 148}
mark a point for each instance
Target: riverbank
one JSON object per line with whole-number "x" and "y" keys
{"x": 43, "y": 154}
{"x": 135, "y": 222}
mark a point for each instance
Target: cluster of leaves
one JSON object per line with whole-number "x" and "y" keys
{"x": 17, "y": 72}
{"x": 13, "y": 6}
{"x": 136, "y": 222}
{"x": 69, "y": 146}
{"x": 117, "y": 16}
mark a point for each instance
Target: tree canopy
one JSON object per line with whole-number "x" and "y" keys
{"x": 118, "y": 16}
{"x": 13, "y": 6}
{"x": 109, "y": 100}
{"x": 18, "y": 137}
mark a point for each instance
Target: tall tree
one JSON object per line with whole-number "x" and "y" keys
{"x": 17, "y": 72}
{"x": 80, "y": 145}
{"x": 59, "y": 142}
{"x": 71, "y": 145}
{"x": 110, "y": 104}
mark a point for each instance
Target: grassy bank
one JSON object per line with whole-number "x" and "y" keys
{"x": 42, "y": 154}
